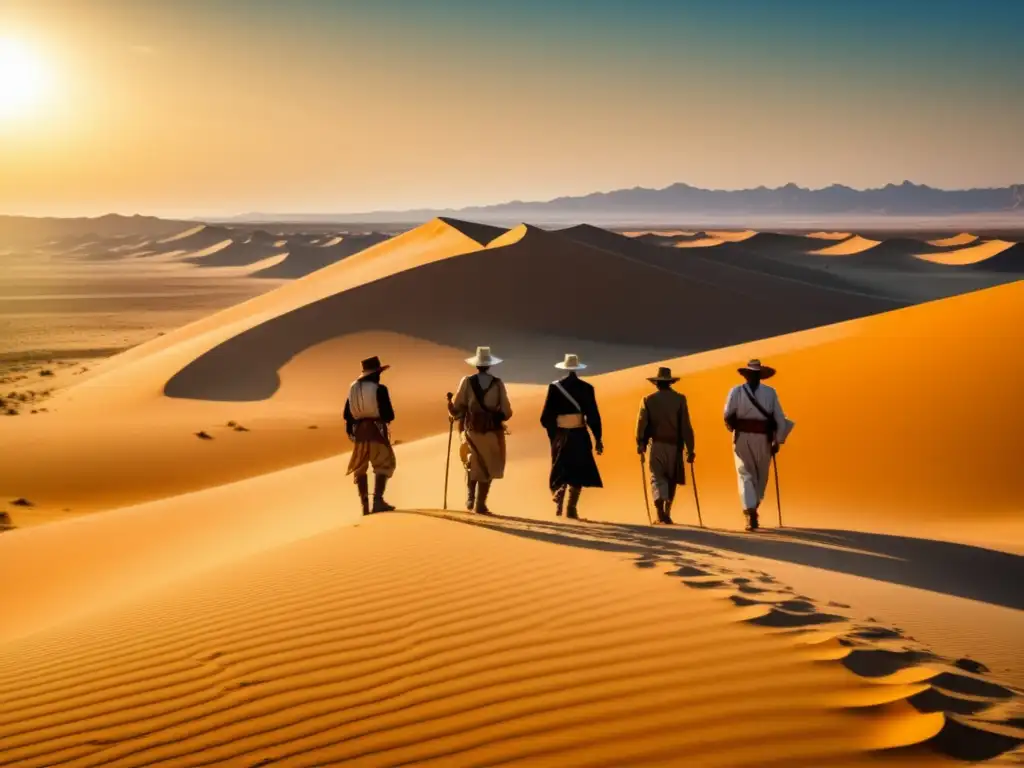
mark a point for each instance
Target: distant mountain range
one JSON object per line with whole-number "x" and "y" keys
{"x": 681, "y": 201}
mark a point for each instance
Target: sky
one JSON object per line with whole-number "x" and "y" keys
{"x": 222, "y": 107}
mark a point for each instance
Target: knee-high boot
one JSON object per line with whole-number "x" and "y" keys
{"x": 379, "y": 484}
{"x": 481, "y": 498}
{"x": 363, "y": 486}
{"x": 559, "y": 499}
{"x": 470, "y": 492}
{"x": 574, "y": 497}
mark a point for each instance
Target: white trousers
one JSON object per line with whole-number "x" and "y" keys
{"x": 753, "y": 456}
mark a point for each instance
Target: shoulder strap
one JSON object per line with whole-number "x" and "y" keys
{"x": 753, "y": 401}
{"x": 568, "y": 397}
{"x": 478, "y": 391}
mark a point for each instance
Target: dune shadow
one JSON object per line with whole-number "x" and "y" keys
{"x": 517, "y": 295}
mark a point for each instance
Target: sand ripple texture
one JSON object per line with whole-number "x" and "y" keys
{"x": 413, "y": 640}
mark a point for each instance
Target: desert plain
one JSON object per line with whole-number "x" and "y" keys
{"x": 188, "y": 579}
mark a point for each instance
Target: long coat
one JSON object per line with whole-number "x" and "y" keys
{"x": 572, "y": 453}
{"x": 486, "y": 459}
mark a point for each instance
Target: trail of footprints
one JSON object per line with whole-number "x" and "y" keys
{"x": 984, "y": 719}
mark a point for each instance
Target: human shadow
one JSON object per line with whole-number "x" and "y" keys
{"x": 947, "y": 568}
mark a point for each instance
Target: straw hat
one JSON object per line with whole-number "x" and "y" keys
{"x": 483, "y": 358}
{"x": 371, "y": 365}
{"x": 571, "y": 363}
{"x": 754, "y": 366}
{"x": 664, "y": 374}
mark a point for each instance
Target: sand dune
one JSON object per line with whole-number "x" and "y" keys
{"x": 699, "y": 242}
{"x": 964, "y": 238}
{"x": 303, "y": 260}
{"x": 992, "y": 255}
{"x": 235, "y": 254}
{"x": 732, "y": 236}
{"x": 225, "y": 604}
{"x": 830, "y": 235}
{"x": 198, "y": 238}
{"x": 849, "y": 247}
{"x": 353, "y": 647}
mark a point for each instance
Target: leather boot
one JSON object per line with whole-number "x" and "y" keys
{"x": 481, "y": 498}
{"x": 659, "y": 504}
{"x": 752, "y": 521}
{"x": 470, "y": 493}
{"x": 379, "y": 505}
{"x": 668, "y": 512}
{"x": 363, "y": 486}
{"x": 559, "y": 501}
{"x": 574, "y": 497}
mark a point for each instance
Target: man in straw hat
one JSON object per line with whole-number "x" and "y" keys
{"x": 570, "y": 408}
{"x": 754, "y": 415}
{"x": 664, "y": 422}
{"x": 368, "y": 413}
{"x": 481, "y": 405}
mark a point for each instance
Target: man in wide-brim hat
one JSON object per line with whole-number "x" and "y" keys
{"x": 754, "y": 415}
{"x": 368, "y": 414}
{"x": 570, "y": 410}
{"x": 664, "y": 423}
{"x": 481, "y": 407}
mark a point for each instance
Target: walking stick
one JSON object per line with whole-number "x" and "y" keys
{"x": 643, "y": 482}
{"x": 448, "y": 458}
{"x": 778, "y": 496}
{"x": 696, "y": 497}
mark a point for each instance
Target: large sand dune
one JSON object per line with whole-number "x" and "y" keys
{"x": 226, "y": 604}
{"x": 353, "y": 647}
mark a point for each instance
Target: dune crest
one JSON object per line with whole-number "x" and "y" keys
{"x": 849, "y": 247}
{"x": 974, "y": 254}
{"x": 964, "y": 238}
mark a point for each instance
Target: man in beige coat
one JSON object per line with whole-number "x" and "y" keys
{"x": 664, "y": 422}
{"x": 481, "y": 403}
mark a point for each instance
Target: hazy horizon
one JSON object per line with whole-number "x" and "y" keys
{"x": 224, "y": 108}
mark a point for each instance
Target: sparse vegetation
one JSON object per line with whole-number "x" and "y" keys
{"x": 46, "y": 372}
{"x": 204, "y": 436}
{"x": 22, "y": 503}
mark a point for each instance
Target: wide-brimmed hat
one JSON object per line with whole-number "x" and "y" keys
{"x": 754, "y": 366}
{"x": 371, "y": 365}
{"x": 483, "y": 358}
{"x": 571, "y": 363}
{"x": 664, "y": 374}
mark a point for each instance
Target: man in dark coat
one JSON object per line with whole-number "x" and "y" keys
{"x": 570, "y": 408}
{"x": 664, "y": 423}
{"x": 368, "y": 412}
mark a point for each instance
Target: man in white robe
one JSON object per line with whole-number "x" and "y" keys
{"x": 754, "y": 415}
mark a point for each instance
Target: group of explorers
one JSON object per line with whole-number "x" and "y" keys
{"x": 480, "y": 407}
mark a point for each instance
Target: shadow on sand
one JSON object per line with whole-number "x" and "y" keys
{"x": 981, "y": 716}
{"x": 948, "y": 568}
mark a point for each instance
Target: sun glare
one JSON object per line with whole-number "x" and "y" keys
{"x": 23, "y": 78}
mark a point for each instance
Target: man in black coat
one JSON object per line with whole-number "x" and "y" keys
{"x": 569, "y": 410}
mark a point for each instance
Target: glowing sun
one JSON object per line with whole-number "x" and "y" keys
{"x": 23, "y": 78}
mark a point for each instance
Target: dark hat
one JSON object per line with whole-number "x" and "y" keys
{"x": 371, "y": 365}
{"x": 754, "y": 366}
{"x": 664, "y": 374}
